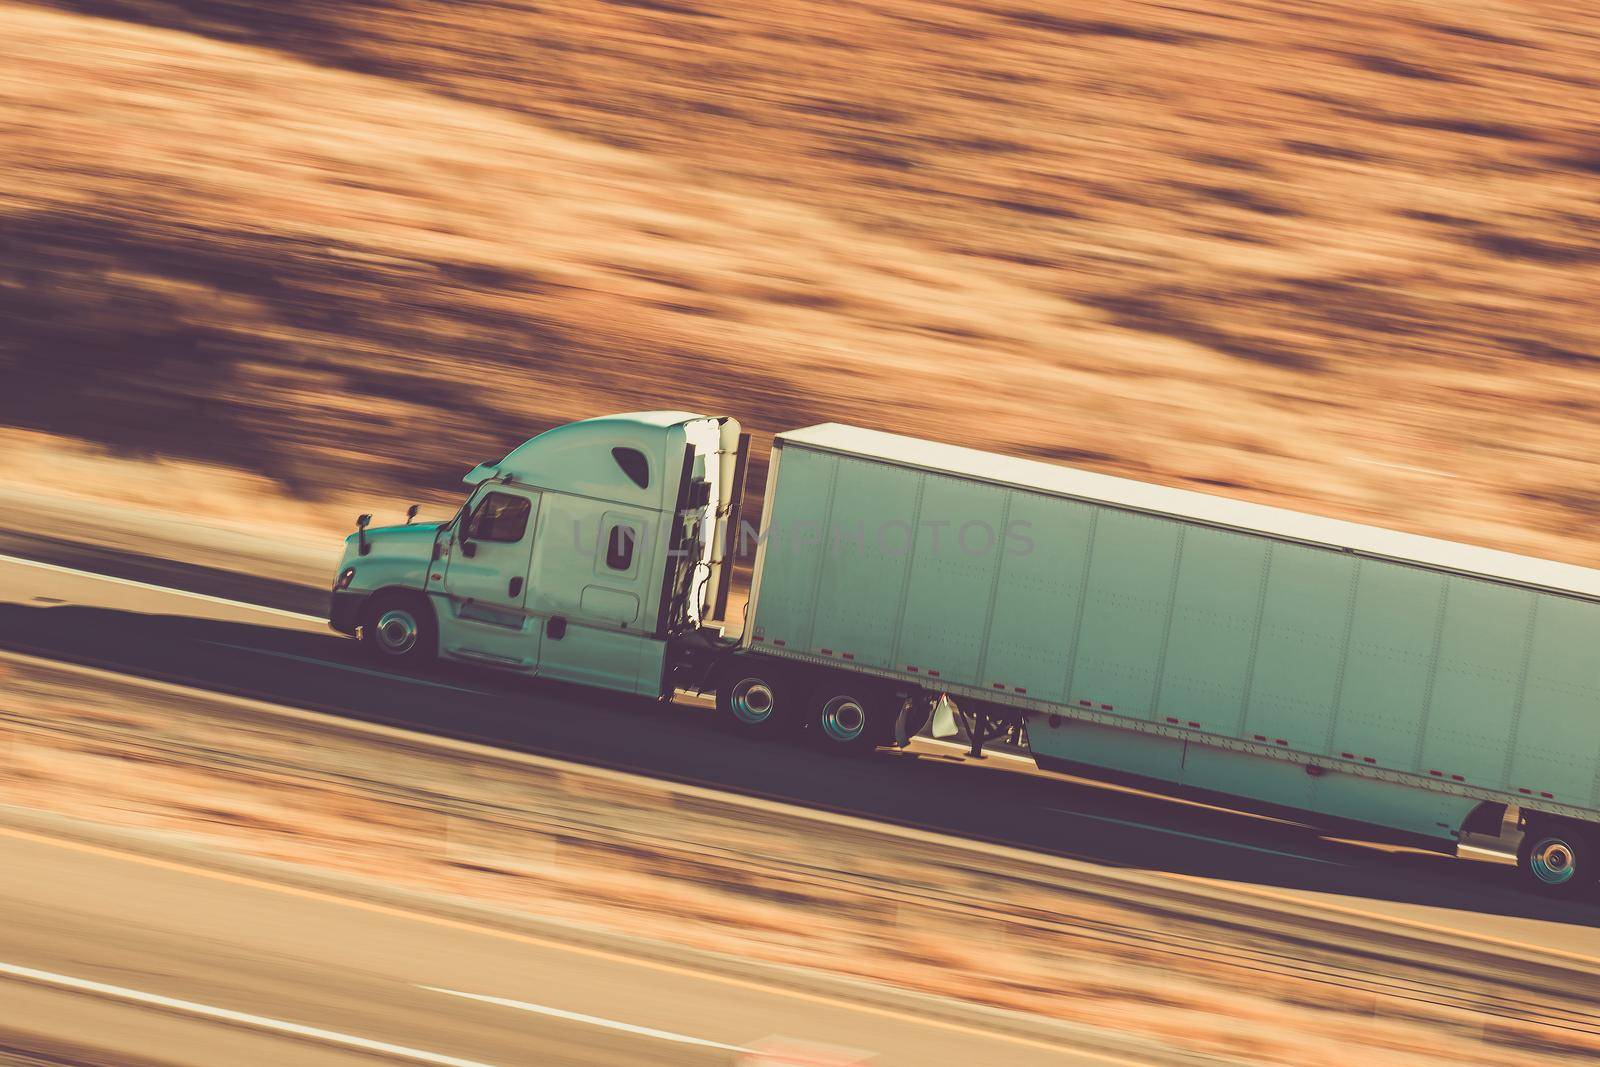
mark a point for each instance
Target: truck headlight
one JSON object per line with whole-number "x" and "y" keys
{"x": 346, "y": 576}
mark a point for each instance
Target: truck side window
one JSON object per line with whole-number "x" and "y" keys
{"x": 619, "y": 547}
{"x": 633, "y": 464}
{"x": 501, "y": 517}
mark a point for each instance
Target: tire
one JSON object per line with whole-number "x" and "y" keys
{"x": 398, "y": 627}
{"x": 1559, "y": 858}
{"x": 755, "y": 698}
{"x": 849, "y": 715}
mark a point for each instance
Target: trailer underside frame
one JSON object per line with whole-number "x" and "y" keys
{"x": 1354, "y": 768}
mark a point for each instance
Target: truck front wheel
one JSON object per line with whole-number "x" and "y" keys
{"x": 399, "y": 627}
{"x": 1559, "y": 857}
{"x": 752, "y": 698}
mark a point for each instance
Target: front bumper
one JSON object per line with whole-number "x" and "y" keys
{"x": 344, "y": 613}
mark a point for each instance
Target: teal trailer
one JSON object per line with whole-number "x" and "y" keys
{"x": 1346, "y": 672}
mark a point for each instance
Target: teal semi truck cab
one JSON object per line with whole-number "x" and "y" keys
{"x": 583, "y": 555}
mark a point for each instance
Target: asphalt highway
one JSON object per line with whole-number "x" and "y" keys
{"x": 112, "y": 959}
{"x": 198, "y": 638}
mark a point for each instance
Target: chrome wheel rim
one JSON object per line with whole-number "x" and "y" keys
{"x": 843, "y": 718}
{"x": 752, "y": 701}
{"x": 1552, "y": 861}
{"x": 396, "y": 631}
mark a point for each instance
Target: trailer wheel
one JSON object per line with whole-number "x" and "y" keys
{"x": 398, "y": 626}
{"x": 754, "y": 699}
{"x": 846, "y": 716}
{"x": 1558, "y": 858}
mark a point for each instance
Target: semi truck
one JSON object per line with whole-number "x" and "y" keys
{"x": 1343, "y": 673}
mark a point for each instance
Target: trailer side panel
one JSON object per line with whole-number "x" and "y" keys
{"x": 1366, "y": 680}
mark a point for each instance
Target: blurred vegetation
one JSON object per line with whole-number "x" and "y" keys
{"x": 1341, "y": 256}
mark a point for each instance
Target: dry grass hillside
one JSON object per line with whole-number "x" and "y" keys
{"x": 1340, "y": 255}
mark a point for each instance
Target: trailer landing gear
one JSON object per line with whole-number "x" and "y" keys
{"x": 983, "y": 723}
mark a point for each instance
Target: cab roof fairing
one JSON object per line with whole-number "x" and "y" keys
{"x": 576, "y": 458}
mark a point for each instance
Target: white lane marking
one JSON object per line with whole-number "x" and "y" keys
{"x": 162, "y": 589}
{"x": 347, "y": 667}
{"x": 1402, "y": 467}
{"x": 592, "y": 1020}
{"x": 1198, "y": 837}
{"x": 259, "y": 1022}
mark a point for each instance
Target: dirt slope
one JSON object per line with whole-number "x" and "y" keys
{"x": 1339, "y": 256}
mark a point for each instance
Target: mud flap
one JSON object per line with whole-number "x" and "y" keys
{"x": 945, "y": 725}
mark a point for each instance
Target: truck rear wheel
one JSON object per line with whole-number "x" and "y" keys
{"x": 398, "y": 627}
{"x": 1558, "y": 857}
{"x": 754, "y": 699}
{"x": 848, "y": 716}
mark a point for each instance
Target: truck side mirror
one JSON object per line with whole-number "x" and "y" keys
{"x": 363, "y": 545}
{"x": 411, "y": 512}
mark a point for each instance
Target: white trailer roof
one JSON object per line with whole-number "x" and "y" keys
{"x": 1197, "y": 507}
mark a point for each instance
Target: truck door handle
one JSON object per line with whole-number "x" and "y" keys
{"x": 514, "y": 587}
{"x": 555, "y": 628}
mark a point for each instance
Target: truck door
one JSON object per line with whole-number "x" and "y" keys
{"x": 592, "y": 567}
{"x": 485, "y": 577}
